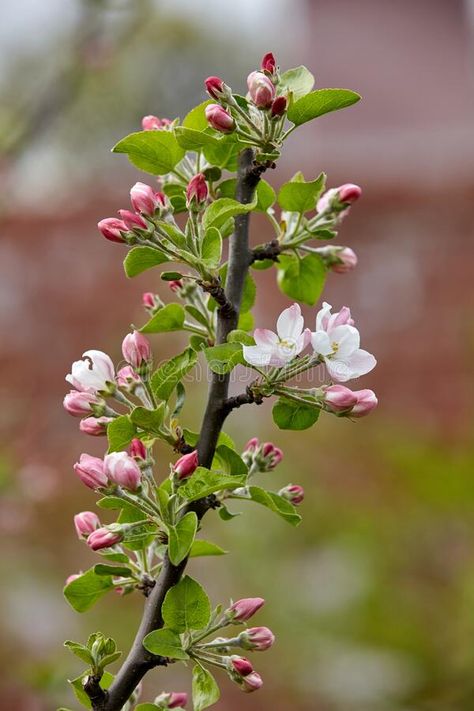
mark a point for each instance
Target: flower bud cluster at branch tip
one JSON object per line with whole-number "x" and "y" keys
{"x": 153, "y": 123}
{"x": 340, "y": 260}
{"x": 261, "y": 457}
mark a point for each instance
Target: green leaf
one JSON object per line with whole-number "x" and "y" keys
{"x": 85, "y": 590}
{"x": 115, "y": 570}
{"x": 181, "y": 537}
{"x": 114, "y": 503}
{"x": 223, "y": 358}
{"x": 165, "y": 643}
{"x": 156, "y": 152}
{"x": 299, "y": 81}
{"x": 120, "y": 433}
{"x": 78, "y": 687}
{"x": 204, "y": 482}
{"x": 139, "y": 259}
{"x": 80, "y": 651}
{"x": 147, "y": 706}
{"x": 192, "y": 438}
{"x": 194, "y": 140}
{"x": 224, "y": 154}
{"x": 229, "y": 462}
{"x": 176, "y": 195}
{"x": 246, "y": 321}
{"x": 320, "y": 102}
{"x": 169, "y": 318}
{"x": 149, "y": 420}
{"x": 266, "y": 196}
{"x": 240, "y": 336}
{"x": 302, "y": 279}
{"x": 301, "y": 196}
{"x": 225, "y": 514}
{"x": 166, "y": 378}
{"x": 196, "y": 118}
{"x": 170, "y": 276}
{"x": 205, "y": 548}
{"x": 205, "y": 689}
{"x": 211, "y": 248}
{"x": 186, "y": 606}
{"x": 289, "y": 415}
{"x": 275, "y": 503}
{"x": 222, "y": 210}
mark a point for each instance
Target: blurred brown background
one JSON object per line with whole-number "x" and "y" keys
{"x": 372, "y": 598}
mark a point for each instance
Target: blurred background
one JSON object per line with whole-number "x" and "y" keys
{"x": 372, "y": 598}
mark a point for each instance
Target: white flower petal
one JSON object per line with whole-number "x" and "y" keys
{"x": 338, "y": 370}
{"x": 347, "y": 339}
{"x": 361, "y": 362}
{"x": 322, "y": 317}
{"x": 290, "y": 323}
{"x": 303, "y": 341}
{"x": 264, "y": 337}
{"x": 321, "y": 343}
{"x": 257, "y": 355}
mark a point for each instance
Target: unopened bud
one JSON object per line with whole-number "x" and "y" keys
{"x": 137, "y": 449}
{"x": 132, "y": 220}
{"x": 261, "y": 90}
{"x": 95, "y": 426}
{"x": 122, "y": 470}
{"x": 279, "y": 106}
{"x": 244, "y": 609}
{"x": 128, "y": 379}
{"x": 148, "y": 300}
{"x": 79, "y": 404}
{"x": 103, "y": 538}
{"x": 171, "y": 700}
{"x": 219, "y": 118}
{"x": 143, "y": 199}
{"x": 257, "y": 638}
{"x": 292, "y": 493}
{"x": 215, "y": 87}
{"x": 151, "y": 123}
{"x": 136, "y": 349}
{"x": 175, "y": 285}
{"x": 338, "y": 398}
{"x": 113, "y": 229}
{"x": 241, "y": 665}
{"x": 252, "y": 682}
{"x": 85, "y": 523}
{"x": 197, "y": 191}
{"x": 186, "y": 465}
{"x": 366, "y": 402}
{"x": 90, "y": 471}
{"x": 268, "y": 63}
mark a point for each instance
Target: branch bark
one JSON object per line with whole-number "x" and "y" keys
{"x": 139, "y": 661}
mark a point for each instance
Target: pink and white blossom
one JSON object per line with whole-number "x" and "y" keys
{"x": 136, "y": 349}
{"x": 103, "y": 538}
{"x": 337, "y": 341}
{"x": 90, "y": 471}
{"x": 93, "y": 373}
{"x": 366, "y": 402}
{"x": 277, "y": 349}
{"x": 127, "y": 378}
{"x": 95, "y": 426}
{"x": 79, "y": 403}
{"x": 261, "y": 89}
{"x": 338, "y": 398}
{"x": 219, "y": 118}
{"x": 123, "y": 470}
{"x": 86, "y": 522}
{"x": 143, "y": 198}
{"x": 252, "y": 682}
{"x": 112, "y": 229}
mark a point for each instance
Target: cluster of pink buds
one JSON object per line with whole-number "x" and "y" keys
{"x": 146, "y": 202}
{"x": 151, "y": 302}
{"x": 88, "y": 526}
{"x": 294, "y": 493}
{"x": 339, "y": 259}
{"x": 186, "y": 465}
{"x": 261, "y": 457}
{"x": 171, "y": 700}
{"x": 349, "y": 403}
{"x": 116, "y": 469}
{"x": 153, "y": 123}
{"x": 241, "y": 671}
{"x": 197, "y": 192}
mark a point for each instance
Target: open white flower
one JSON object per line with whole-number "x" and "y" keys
{"x": 337, "y": 341}
{"x": 93, "y": 373}
{"x": 277, "y": 349}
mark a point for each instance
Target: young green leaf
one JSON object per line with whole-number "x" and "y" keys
{"x": 266, "y": 196}
{"x": 169, "y": 318}
{"x": 193, "y": 140}
{"x": 156, "y": 152}
{"x": 229, "y": 462}
{"x": 186, "y": 606}
{"x": 204, "y": 482}
{"x": 176, "y": 195}
{"x": 165, "y": 643}
{"x": 205, "y": 689}
{"x": 85, "y": 590}
{"x": 80, "y": 651}
{"x": 223, "y": 358}
{"x": 241, "y": 336}
{"x": 211, "y": 248}
{"x": 149, "y": 420}
{"x": 320, "y": 102}
{"x": 289, "y": 415}
{"x": 181, "y": 537}
{"x": 202, "y": 548}
{"x": 299, "y": 81}
{"x": 114, "y": 570}
{"x": 301, "y": 196}
{"x": 275, "y": 503}
{"x": 192, "y": 438}
{"x": 166, "y": 378}
{"x": 302, "y": 279}
{"x": 222, "y": 210}
{"x": 139, "y": 259}
{"x": 120, "y": 433}
{"x": 196, "y": 118}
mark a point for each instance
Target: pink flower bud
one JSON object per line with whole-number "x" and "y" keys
{"x": 279, "y": 106}
{"x": 215, "y": 87}
{"x": 175, "y": 285}
{"x": 268, "y": 63}
{"x": 148, "y": 300}
{"x": 90, "y": 471}
{"x": 112, "y": 229}
{"x": 137, "y": 449}
{"x": 143, "y": 198}
{"x": 252, "y": 682}
{"x": 293, "y": 493}
{"x": 132, "y": 220}
{"x": 261, "y": 90}
{"x": 197, "y": 191}
{"x": 366, "y": 402}
{"x": 252, "y": 444}
{"x": 177, "y": 699}
{"x": 161, "y": 199}
{"x": 338, "y": 398}
{"x": 219, "y": 118}
{"x": 151, "y": 123}
{"x": 273, "y": 454}
{"x": 136, "y": 349}
{"x": 244, "y": 609}
{"x": 95, "y": 426}
{"x": 257, "y": 638}
{"x": 103, "y": 538}
{"x": 71, "y": 578}
{"x": 127, "y": 378}
{"x": 342, "y": 318}
{"x": 86, "y": 522}
{"x": 347, "y": 261}
{"x": 186, "y": 465}
{"x": 241, "y": 665}
{"x": 349, "y": 193}
{"x": 79, "y": 404}
{"x": 122, "y": 470}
